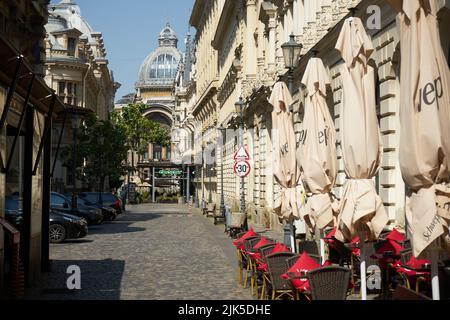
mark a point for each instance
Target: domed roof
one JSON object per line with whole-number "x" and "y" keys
{"x": 168, "y": 37}
{"x": 160, "y": 67}
{"x": 67, "y": 15}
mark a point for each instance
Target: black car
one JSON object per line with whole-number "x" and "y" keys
{"x": 12, "y": 211}
{"x": 62, "y": 226}
{"x": 66, "y": 226}
{"x": 106, "y": 199}
{"x": 60, "y": 203}
{"x": 109, "y": 214}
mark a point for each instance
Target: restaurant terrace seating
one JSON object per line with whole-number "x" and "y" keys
{"x": 329, "y": 283}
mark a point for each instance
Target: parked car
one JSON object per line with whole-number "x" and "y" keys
{"x": 12, "y": 211}
{"x": 60, "y": 203}
{"x": 62, "y": 226}
{"x": 66, "y": 226}
{"x": 109, "y": 213}
{"x": 107, "y": 199}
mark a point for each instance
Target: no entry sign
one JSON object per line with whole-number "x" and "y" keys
{"x": 242, "y": 169}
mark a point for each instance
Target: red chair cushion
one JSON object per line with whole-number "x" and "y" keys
{"x": 262, "y": 243}
{"x": 280, "y": 248}
{"x": 304, "y": 263}
{"x": 239, "y": 243}
{"x": 395, "y": 235}
{"x": 392, "y": 246}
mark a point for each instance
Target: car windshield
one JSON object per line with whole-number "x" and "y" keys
{"x": 12, "y": 203}
{"x": 95, "y": 197}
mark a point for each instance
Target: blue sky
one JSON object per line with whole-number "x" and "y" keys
{"x": 130, "y": 31}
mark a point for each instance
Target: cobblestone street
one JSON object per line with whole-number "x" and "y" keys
{"x": 151, "y": 252}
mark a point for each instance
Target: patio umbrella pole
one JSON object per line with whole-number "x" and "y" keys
{"x": 363, "y": 268}
{"x": 322, "y": 248}
{"x": 293, "y": 247}
{"x": 435, "y": 270}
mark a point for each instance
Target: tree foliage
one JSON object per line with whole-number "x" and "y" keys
{"x": 138, "y": 129}
{"x": 101, "y": 152}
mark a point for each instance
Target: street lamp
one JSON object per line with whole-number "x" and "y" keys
{"x": 223, "y": 132}
{"x": 291, "y": 54}
{"x": 203, "y": 176}
{"x": 76, "y": 122}
{"x": 240, "y": 106}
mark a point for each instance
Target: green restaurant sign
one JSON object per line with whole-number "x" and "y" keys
{"x": 170, "y": 173}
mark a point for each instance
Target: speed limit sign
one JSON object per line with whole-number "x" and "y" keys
{"x": 242, "y": 169}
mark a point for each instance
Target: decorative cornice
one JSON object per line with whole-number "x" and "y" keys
{"x": 224, "y": 23}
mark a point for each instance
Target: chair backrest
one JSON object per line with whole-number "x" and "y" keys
{"x": 291, "y": 261}
{"x": 265, "y": 250}
{"x": 403, "y": 293}
{"x": 276, "y": 263}
{"x": 309, "y": 246}
{"x": 250, "y": 242}
{"x": 211, "y": 207}
{"x": 240, "y": 235}
{"x": 407, "y": 244}
{"x": 329, "y": 283}
{"x": 405, "y": 256}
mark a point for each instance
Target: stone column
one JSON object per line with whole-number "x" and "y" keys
{"x": 272, "y": 41}
{"x": 250, "y": 40}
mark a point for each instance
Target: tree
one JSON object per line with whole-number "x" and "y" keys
{"x": 139, "y": 130}
{"x": 101, "y": 152}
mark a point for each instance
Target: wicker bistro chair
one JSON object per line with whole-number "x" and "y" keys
{"x": 309, "y": 246}
{"x": 241, "y": 261}
{"x": 249, "y": 243}
{"x": 211, "y": 209}
{"x": 329, "y": 283}
{"x": 263, "y": 277}
{"x": 276, "y": 264}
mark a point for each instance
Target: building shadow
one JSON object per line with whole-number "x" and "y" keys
{"x": 99, "y": 279}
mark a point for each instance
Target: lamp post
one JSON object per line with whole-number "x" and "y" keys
{"x": 210, "y": 173}
{"x": 223, "y": 132}
{"x": 76, "y": 121}
{"x": 240, "y": 106}
{"x": 203, "y": 176}
{"x": 291, "y": 54}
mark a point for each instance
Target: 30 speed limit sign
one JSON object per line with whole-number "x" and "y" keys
{"x": 242, "y": 169}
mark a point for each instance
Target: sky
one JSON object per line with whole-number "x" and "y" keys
{"x": 130, "y": 31}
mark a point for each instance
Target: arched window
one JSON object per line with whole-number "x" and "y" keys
{"x": 164, "y": 66}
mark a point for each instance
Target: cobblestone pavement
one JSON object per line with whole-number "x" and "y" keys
{"x": 151, "y": 252}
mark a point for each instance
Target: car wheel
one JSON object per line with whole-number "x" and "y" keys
{"x": 57, "y": 233}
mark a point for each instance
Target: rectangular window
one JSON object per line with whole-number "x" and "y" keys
{"x": 61, "y": 88}
{"x": 71, "y": 47}
{"x": 69, "y": 88}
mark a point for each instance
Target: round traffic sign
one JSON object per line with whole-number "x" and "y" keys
{"x": 242, "y": 169}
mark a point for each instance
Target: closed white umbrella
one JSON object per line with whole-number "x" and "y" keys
{"x": 286, "y": 171}
{"x": 425, "y": 127}
{"x": 316, "y": 153}
{"x": 361, "y": 208}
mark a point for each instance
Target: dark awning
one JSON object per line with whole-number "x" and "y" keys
{"x": 40, "y": 94}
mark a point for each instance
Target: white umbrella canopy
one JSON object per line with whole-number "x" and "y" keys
{"x": 425, "y": 122}
{"x": 316, "y": 153}
{"x": 361, "y": 208}
{"x": 286, "y": 171}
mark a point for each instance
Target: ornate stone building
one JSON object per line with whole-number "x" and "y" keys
{"x": 155, "y": 87}
{"x": 246, "y": 59}
{"x": 27, "y": 107}
{"x": 77, "y": 69}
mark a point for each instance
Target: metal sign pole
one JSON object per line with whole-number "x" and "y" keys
{"x": 154, "y": 186}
